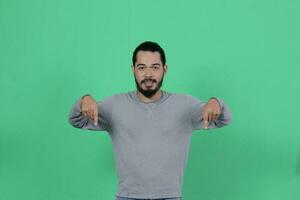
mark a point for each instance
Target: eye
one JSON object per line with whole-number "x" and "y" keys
{"x": 155, "y": 67}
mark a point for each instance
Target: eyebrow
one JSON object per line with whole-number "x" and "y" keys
{"x": 155, "y": 64}
{"x": 145, "y": 65}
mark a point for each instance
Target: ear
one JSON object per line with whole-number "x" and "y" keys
{"x": 132, "y": 68}
{"x": 165, "y": 68}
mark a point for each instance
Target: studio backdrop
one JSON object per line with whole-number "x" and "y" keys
{"x": 245, "y": 52}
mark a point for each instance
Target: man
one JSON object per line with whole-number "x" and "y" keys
{"x": 150, "y": 128}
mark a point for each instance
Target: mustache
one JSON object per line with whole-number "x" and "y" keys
{"x": 143, "y": 81}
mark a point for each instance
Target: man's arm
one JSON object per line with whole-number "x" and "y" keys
{"x": 78, "y": 119}
{"x": 199, "y": 116}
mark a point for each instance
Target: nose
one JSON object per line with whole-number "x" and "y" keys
{"x": 148, "y": 72}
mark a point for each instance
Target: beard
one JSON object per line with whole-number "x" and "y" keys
{"x": 148, "y": 92}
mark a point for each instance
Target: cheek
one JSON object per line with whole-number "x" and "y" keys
{"x": 159, "y": 76}
{"x": 138, "y": 78}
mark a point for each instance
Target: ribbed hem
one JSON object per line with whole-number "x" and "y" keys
{"x": 153, "y": 194}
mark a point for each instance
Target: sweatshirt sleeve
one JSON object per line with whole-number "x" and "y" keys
{"x": 78, "y": 120}
{"x": 197, "y": 122}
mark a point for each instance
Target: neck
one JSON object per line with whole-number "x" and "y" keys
{"x": 155, "y": 97}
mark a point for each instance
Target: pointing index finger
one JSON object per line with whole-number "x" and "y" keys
{"x": 205, "y": 118}
{"x": 95, "y": 117}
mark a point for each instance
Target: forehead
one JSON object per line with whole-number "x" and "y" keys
{"x": 148, "y": 57}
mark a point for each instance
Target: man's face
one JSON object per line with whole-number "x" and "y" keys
{"x": 148, "y": 72}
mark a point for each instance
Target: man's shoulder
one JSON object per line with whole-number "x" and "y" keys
{"x": 187, "y": 98}
{"x": 183, "y": 96}
{"x": 119, "y": 97}
{"x": 115, "y": 96}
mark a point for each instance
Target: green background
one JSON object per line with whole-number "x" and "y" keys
{"x": 54, "y": 51}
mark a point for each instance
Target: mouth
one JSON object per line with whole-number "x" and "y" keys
{"x": 149, "y": 83}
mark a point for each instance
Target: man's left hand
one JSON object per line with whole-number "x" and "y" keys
{"x": 211, "y": 111}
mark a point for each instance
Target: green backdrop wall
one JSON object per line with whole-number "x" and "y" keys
{"x": 246, "y": 52}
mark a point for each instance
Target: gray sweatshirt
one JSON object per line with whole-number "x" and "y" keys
{"x": 150, "y": 140}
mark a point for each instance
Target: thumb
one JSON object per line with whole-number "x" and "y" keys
{"x": 95, "y": 117}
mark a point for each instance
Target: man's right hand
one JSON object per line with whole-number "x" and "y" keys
{"x": 89, "y": 108}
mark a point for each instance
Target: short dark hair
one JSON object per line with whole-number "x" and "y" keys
{"x": 149, "y": 46}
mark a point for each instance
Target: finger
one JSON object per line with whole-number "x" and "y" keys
{"x": 205, "y": 118}
{"x": 84, "y": 112}
{"x": 209, "y": 117}
{"x": 89, "y": 114}
{"x": 95, "y": 117}
{"x": 214, "y": 117}
{"x": 217, "y": 116}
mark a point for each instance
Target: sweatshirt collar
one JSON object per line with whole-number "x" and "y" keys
{"x": 134, "y": 96}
